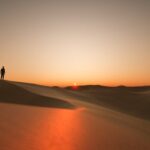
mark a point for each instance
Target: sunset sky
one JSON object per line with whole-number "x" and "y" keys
{"x": 59, "y": 42}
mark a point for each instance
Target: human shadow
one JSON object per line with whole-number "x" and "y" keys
{"x": 13, "y": 94}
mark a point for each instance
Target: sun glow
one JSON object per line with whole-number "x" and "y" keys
{"x": 75, "y": 86}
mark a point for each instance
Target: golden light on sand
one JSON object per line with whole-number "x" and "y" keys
{"x": 67, "y": 128}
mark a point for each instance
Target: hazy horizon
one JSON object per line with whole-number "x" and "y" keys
{"x": 105, "y": 42}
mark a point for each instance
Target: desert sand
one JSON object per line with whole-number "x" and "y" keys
{"x": 92, "y": 118}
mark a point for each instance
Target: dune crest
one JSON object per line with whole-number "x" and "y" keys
{"x": 10, "y": 93}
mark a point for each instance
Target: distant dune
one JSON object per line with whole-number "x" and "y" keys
{"x": 131, "y": 100}
{"x": 134, "y": 101}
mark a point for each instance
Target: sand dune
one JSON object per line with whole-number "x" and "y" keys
{"x": 10, "y": 93}
{"x": 131, "y": 100}
{"x": 134, "y": 101}
{"x": 88, "y": 126}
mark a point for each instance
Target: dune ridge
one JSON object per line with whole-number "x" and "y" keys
{"x": 11, "y": 93}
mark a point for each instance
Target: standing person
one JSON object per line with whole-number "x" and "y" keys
{"x": 2, "y": 72}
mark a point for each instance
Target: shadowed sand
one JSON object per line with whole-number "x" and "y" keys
{"x": 130, "y": 100}
{"x": 10, "y": 93}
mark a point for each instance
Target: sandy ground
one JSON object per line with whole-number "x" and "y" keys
{"x": 64, "y": 122}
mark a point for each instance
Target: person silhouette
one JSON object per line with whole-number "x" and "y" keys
{"x": 2, "y": 72}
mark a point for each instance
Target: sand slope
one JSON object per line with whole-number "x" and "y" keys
{"x": 131, "y": 100}
{"x": 10, "y": 93}
{"x": 134, "y": 101}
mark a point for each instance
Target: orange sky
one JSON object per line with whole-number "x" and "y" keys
{"x": 88, "y": 42}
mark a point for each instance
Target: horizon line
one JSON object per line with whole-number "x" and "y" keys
{"x": 80, "y": 85}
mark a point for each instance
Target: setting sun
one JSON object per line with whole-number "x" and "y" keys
{"x": 75, "y": 86}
